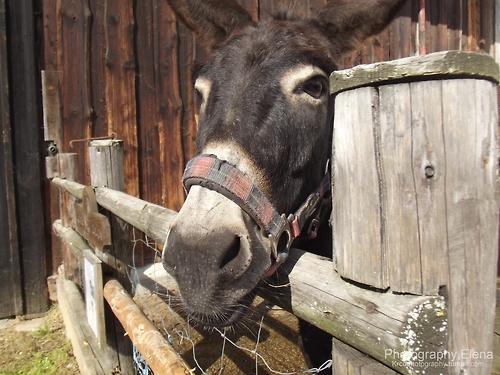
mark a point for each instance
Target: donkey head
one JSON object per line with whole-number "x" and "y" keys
{"x": 265, "y": 116}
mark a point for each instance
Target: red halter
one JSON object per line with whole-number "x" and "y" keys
{"x": 218, "y": 175}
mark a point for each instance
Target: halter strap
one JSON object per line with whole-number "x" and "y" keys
{"x": 220, "y": 176}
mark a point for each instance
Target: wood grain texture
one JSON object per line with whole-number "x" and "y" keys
{"x": 356, "y": 218}
{"x": 437, "y": 65}
{"x": 470, "y": 127}
{"x": 10, "y": 262}
{"x": 156, "y": 350}
{"x": 429, "y": 164}
{"x": 349, "y": 361}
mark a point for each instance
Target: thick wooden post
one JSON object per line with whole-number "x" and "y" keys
{"x": 415, "y": 202}
{"x": 106, "y": 171}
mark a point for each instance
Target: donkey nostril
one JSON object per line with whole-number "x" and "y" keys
{"x": 232, "y": 253}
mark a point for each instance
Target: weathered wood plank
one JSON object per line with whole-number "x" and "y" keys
{"x": 25, "y": 125}
{"x": 349, "y": 361}
{"x": 435, "y": 65}
{"x": 170, "y": 129}
{"x": 191, "y": 101}
{"x": 75, "y": 86}
{"x": 398, "y": 186}
{"x": 53, "y": 133}
{"x": 428, "y": 166}
{"x": 72, "y": 239}
{"x": 166, "y": 125}
{"x": 149, "y": 218}
{"x": 470, "y": 126}
{"x": 147, "y": 15}
{"x": 69, "y": 298}
{"x": 91, "y": 224}
{"x": 98, "y": 58}
{"x": 120, "y": 85}
{"x": 106, "y": 164}
{"x": 356, "y": 196}
{"x": 52, "y": 59}
{"x": 90, "y": 357}
{"x": 52, "y": 118}
{"x": 10, "y": 265}
{"x": 68, "y": 169}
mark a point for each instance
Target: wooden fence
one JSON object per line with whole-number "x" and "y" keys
{"x": 125, "y": 67}
{"x": 415, "y": 248}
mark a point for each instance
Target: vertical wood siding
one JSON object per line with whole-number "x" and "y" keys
{"x": 127, "y": 67}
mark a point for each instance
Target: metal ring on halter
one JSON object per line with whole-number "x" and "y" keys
{"x": 282, "y": 241}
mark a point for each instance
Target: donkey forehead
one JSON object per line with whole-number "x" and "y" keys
{"x": 269, "y": 48}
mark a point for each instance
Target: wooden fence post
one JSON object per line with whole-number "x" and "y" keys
{"x": 68, "y": 170}
{"x": 415, "y": 201}
{"x": 106, "y": 170}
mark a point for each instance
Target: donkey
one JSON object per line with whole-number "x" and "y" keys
{"x": 265, "y": 129}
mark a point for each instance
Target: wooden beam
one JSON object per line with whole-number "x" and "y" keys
{"x": 72, "y": 239}
{"x": 436, "y": 65}
{"x": 159, "y": 354}
{"x": 149, "y": 218}
{"x": 52, "y": 110}
{"x": 72, "y": 187}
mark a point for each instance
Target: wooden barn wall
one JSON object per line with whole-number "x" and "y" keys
{"x": 127, "y": 69}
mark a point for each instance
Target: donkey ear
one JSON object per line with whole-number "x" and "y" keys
{"x": 348, "y": 23}
{"x": 211, "y": 20}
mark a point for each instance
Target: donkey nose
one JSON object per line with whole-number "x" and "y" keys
{"x": 222, "y": 252}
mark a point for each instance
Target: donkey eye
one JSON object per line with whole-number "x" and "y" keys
{"x": 199, "y": 95}
{"x": 202, "y": 87}
{"x": 315, "y": 87}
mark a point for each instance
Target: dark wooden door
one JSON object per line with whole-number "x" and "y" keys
{"x": 10, "y": 272}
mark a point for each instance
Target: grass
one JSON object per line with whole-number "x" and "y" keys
{"x": 43, "y": 351}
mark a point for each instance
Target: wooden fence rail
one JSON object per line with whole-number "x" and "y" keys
{"x": 372, "y": 322}
{"x": 414, "y": 177}
{"x": 158, "y": 352}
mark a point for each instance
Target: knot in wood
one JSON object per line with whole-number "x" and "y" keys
{"x": 370, "y": 307}
{"x": 429, "y": 171}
